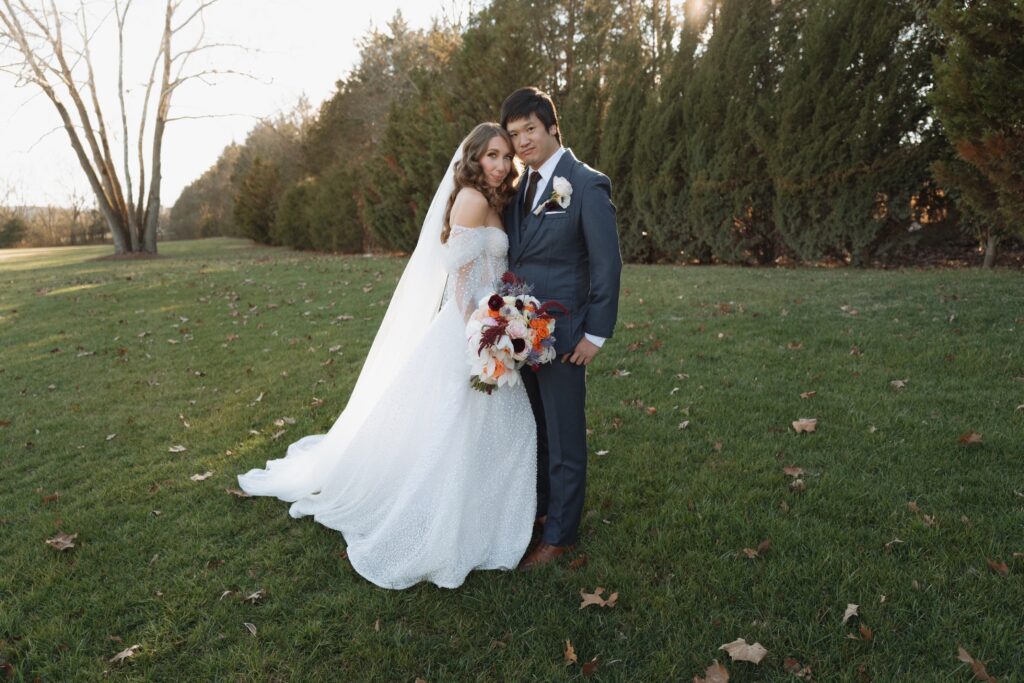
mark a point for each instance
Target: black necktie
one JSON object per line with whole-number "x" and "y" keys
{"x": 531, "y": 190}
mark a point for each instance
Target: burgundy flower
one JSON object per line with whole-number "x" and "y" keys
{"x": 518, "y": 345}
{"x": 495, "y": 302}
{"x": 508, "y": 278}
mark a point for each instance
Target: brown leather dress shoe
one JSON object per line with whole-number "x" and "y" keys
{"x": 544, "y": 553}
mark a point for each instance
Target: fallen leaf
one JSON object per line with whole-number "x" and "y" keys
{"x": 912, "y": 506}
{"x": 250, "y": 627}
{"x": 62, "y": 541}
{"x": 805, "y": 424}
{"x": 684, "y": 424}
{"x": 898, "y": 383}
{"x": 851, "y": 611}
{"x": 998, "y": 567}
{"x": 590, "y": 667}
{"x": 201, "y": 477}
{"x": 740, "y": 651}
{"x": 808, "y": 394}
{"x": 762, "y": 548}
{"x": 596, "y": 599}
{"x": 891, "y": 544}
{"x": 977, "y": 667}
{"x": 866, "y": 633}
{"x": 792, "y": 666}
{"x": 124, "y": 654}
{"x": 717, "y": 446}
{"x": 601, "y": 453}
{"x": 52, "y": 497}
{"x": 177, "y": 449}
{"x": 253, "y": 598}
{"x": 716, "y": 673}
{"x": 968, "y": 438}
{"x": 237, "y": 492}
{"x": 111, "y": 436}
{"x": 621, "y": 373}
{"x": 580, "y": 561}
{"x": 855, "y": 351}
{"x": 569, "y": 654}
{"x": 794, "y": 346}
{"x": 797, "y": 486}
{"x": 793, "y": 471}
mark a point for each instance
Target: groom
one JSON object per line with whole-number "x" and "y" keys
{"x": 563, "y": 241}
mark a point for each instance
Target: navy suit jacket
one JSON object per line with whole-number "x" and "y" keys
{"x": 570, "y": 256}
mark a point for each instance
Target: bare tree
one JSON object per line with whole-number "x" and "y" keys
{"x": 33, "y": 48}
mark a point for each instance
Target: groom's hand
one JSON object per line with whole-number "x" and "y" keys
{"x": 583, "y": 353}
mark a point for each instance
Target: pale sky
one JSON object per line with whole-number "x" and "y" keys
{"x": 304, "y": 47}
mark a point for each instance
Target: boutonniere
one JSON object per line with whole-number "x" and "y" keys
{"x": 561, "y": 195}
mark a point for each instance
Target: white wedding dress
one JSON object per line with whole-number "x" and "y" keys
{"x": 433, "y": 479}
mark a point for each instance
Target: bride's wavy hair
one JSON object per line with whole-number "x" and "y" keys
{"x": 470, "y": 173}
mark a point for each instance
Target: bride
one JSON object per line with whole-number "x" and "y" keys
{"x": 425, "y": 477}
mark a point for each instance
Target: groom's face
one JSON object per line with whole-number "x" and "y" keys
{"x": 533, "y": 142}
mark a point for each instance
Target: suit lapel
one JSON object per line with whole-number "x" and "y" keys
{"x": 563, "y": 168}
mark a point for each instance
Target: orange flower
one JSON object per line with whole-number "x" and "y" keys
{"x": 499, "y": 369}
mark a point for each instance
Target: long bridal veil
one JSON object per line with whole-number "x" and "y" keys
{"x": 413, "y": 305}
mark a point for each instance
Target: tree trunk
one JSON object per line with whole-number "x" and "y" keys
{"x": 990, "y": 250}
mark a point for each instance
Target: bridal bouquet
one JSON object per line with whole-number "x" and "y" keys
{"x": 509, "y": 329}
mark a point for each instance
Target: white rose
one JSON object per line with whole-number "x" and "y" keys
{"x": 561, "y": 186}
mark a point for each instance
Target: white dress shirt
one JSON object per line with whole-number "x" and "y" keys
{"x": 546, "y": 170}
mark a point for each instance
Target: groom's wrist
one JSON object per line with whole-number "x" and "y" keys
{"x": 596, "y": 341}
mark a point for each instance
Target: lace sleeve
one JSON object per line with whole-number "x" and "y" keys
{"x": 464, "y": 263}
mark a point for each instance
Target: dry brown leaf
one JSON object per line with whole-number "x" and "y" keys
{"x": 792, "y": 666}
{"x": 805, "y": 424}
{"x": 251, "y": 627}
{"x": 201, "y": 477}
{"x": 792, "y": 471}
{"x": 177, "y": 448}
{"x": 891, "y": 544}
{"x": 855, "y": 351}
{"x": 740, "y": 651}
{"x": 794, "y": 346}
{"x": 717, "y": 446}
{"x": 716, "y": 673}
{"x": 851, "y": 611}
{"x": 237, "y": 492}
{"x": 977, "y": 667}
{"x": 866, "y": 633}
{"x": 590, "y": 667}
{"x": 762, "y": 548}
{"x": 580, "y": 561}
{"x": 808, "y": 394}
{"x": 569, "y": 654}
{"x": 684, "y": 424}
{"x": 998, "y": 567}
{"x": 912, "y": 506}
{"x": 596, "y": 599}
{"x": 52, "y": 497}
{"x": 968, "y": 438}
{"x": 898, "y": 384}
{"x": 797, "y": 486}
{"x": 124, "y": 654}
{"x": 62, "y": 541}
{"x": 254, "y": 597}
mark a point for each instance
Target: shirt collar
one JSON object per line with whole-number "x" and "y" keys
{"x": 547, "y": 169}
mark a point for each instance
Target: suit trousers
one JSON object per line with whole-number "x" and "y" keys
{"x": 558, "y": 393}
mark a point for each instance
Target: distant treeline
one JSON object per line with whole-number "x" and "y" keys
{"x": 739, "y": 131}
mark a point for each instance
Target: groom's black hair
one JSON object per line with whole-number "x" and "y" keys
{"x": 526, "y": 101}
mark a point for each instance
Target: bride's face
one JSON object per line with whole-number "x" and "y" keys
{"x": 496, "y": 161}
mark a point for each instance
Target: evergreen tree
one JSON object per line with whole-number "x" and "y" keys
{"x": 979, "y": 98}
{"x": 256, "y": 201}
{"x": 334, "y": 219}
{"x": 660, "y": 183}
{"x": 12, "y": 231}
{"x": 729, "y": 194}
{"x": 291, "y": 226}
{"x": 851, "y": 143}
{"x": 631, "y": 84}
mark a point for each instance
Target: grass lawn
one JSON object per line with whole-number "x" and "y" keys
{"x": 120, "y": 380}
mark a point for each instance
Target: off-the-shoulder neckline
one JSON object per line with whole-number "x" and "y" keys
{"x": 482, "y": 227}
